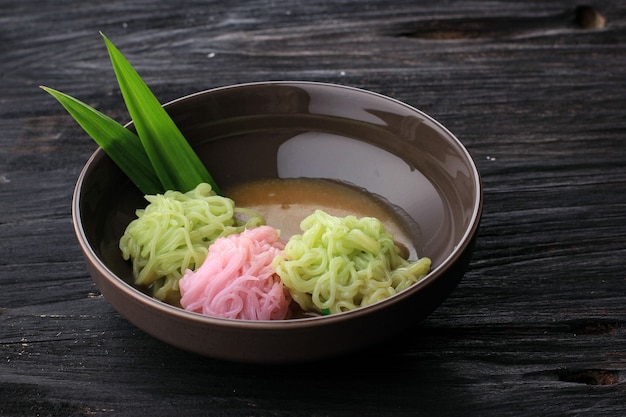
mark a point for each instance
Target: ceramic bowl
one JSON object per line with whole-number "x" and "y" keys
{"x": 296, "y": 129}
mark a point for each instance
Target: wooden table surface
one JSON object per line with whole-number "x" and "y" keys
{"x": 535, "y": 90}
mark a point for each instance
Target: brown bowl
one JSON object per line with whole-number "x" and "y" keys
{"x": 296, "y": 129}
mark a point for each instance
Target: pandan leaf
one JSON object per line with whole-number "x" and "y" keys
{"x": 174, "y": 161}
{"x": 123, "y": 146}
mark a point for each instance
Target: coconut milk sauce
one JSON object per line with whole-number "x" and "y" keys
{"x": 286, "y": 202}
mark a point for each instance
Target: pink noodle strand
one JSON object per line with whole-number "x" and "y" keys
{"x": 237, "y": 280}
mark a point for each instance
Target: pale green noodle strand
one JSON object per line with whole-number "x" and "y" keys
{"x": 339, "y": 264}
{"x": 173, "y": 233}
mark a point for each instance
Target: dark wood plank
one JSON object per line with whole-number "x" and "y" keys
{"x": 537, "y": 326}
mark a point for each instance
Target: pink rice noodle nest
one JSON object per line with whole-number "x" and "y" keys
{"x": 237, "y": 280}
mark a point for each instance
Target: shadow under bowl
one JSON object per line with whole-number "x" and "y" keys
{"x": 296, "y": 129}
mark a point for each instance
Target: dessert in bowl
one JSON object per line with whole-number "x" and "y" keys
{"x": 286, "y": 134}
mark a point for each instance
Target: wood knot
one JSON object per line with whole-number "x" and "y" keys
{"x": 592, "y": 376}
{"x": 593, "y": 327}
{"x": 589, "y": 18}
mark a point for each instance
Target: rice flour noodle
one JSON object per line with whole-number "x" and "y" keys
{"x": 237, "y": 280}
{"x": 342, "y": 263}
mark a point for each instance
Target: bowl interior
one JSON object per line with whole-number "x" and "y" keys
{"x": 280, "y": 130}
{"x": 300, "y": 129}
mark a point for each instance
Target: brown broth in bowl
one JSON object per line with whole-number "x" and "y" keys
{"x": 286, "y": 202}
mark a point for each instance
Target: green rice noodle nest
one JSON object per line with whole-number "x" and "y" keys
{"x": 173, "y": 233}
{"x": 339, "y": 264}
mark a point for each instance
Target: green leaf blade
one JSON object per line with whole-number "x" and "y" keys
{"x": 175, "y": 163}
{"x": 120, "y": 144}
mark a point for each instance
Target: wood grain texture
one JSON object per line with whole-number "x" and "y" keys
{"x": 536, "y": 93}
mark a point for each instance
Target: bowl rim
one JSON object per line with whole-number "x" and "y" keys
{"x": 164, "y": 308}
